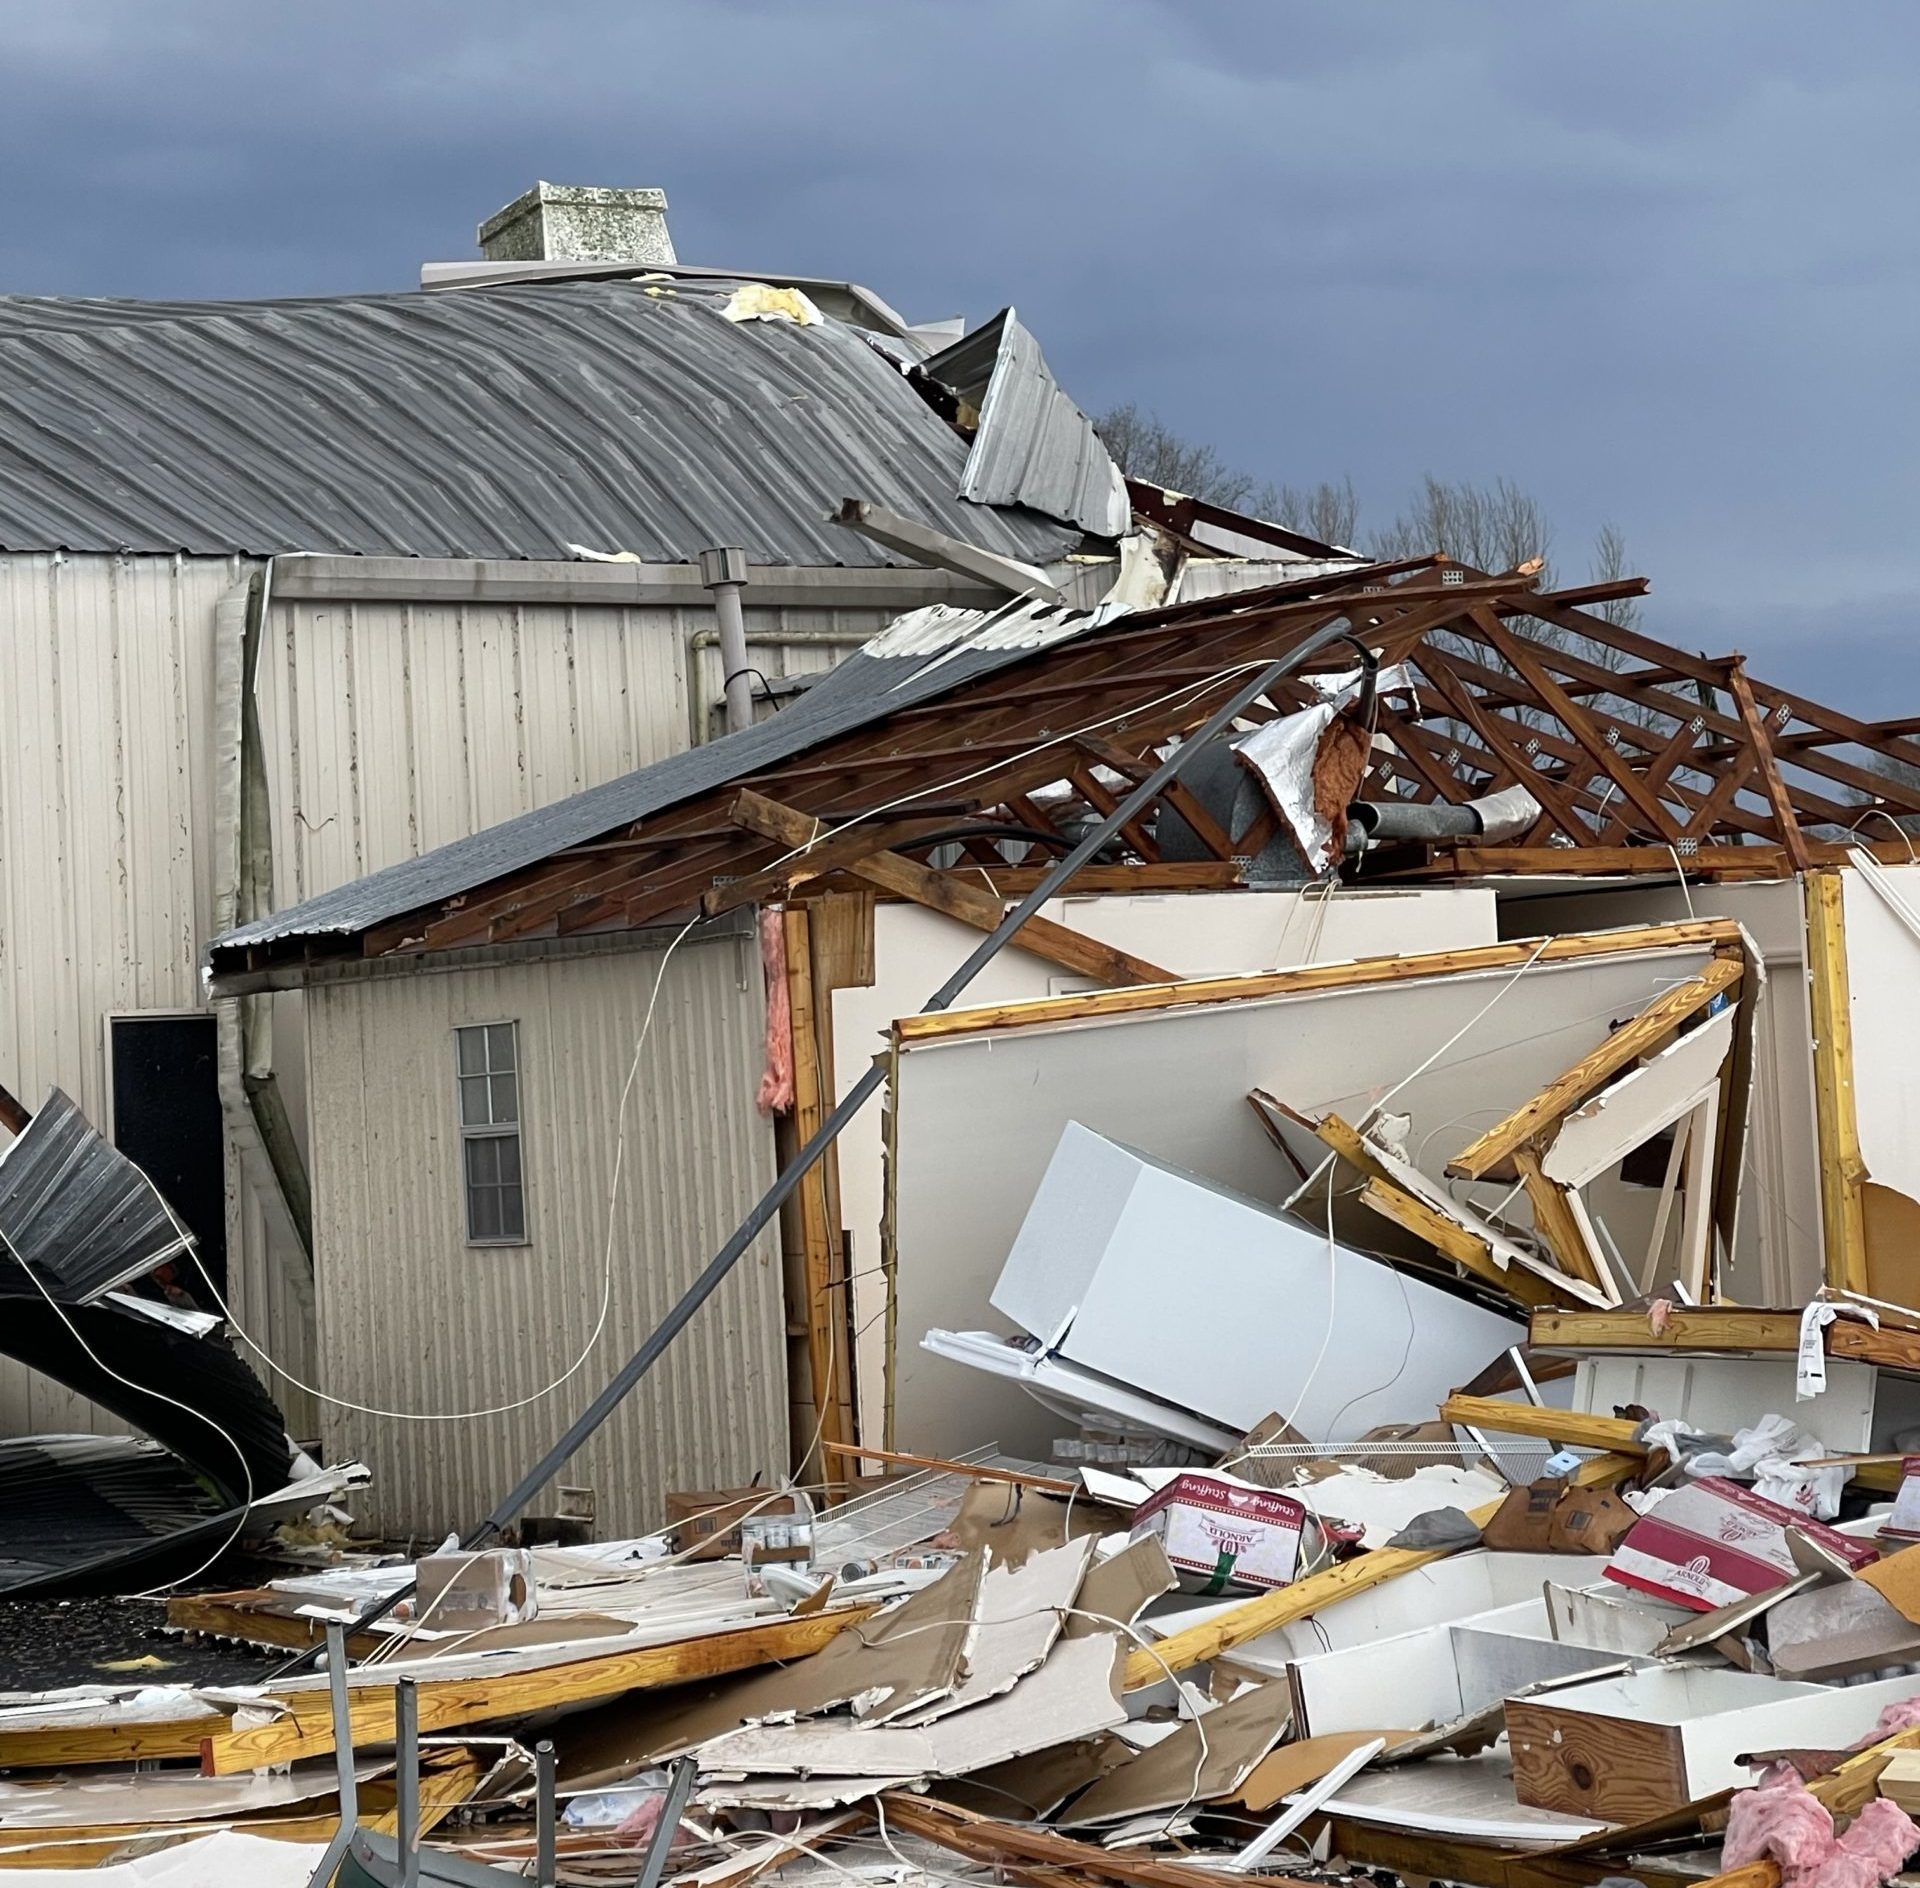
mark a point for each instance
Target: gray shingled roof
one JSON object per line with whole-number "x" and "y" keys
{"x": 496, "y": 423}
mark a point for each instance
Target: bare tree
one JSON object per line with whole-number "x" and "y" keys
{"x": 1495, "y": 527}
{"x": 1325, "y": 511}
{"x": 1147, "y": 448}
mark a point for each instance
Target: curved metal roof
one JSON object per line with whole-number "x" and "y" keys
{"x": 514, "y": 422}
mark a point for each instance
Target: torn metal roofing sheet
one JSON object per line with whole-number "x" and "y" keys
{"x": 494, "y": 423}
{"x": 1032, "y": 445}
{"x": 76, "y": 1211}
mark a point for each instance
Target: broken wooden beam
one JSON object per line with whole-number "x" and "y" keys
{"x": 950, "y": 895}
{"x": 1633, "y": 1039}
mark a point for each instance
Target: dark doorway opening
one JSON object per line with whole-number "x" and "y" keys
{"x": 166, "y": 1118}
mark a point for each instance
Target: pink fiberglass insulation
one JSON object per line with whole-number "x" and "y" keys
{"x": 776, "y": 1085}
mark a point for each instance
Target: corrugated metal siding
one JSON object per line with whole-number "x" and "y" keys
{"x": 413, "y": 1318}
{"x": 395, "y": 728}
{"x": 106, "y": 670}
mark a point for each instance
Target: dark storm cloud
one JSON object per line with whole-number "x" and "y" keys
{"x": 1655, "y": 262}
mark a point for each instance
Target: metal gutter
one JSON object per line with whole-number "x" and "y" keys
{"x": 333, "y": 578}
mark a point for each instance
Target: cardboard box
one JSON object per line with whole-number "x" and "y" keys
{"x": 1219, "y": 1535}
{"x": 706, "y": 1521}
{"x": 460, "y": 1592}
{"x": 1711, "y": 1542}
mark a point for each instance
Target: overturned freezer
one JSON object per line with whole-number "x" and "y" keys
{"x": 980, "y": 1101}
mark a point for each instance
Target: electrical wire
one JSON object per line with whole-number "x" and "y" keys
{"x": 606, "y": 1275}
{"x": 142, "y": 1389}
{"x": 946, "y": 786}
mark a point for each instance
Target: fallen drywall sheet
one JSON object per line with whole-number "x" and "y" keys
{"x": 1630, "y": 1111}
{"x": 1195, "y": 934}
{"x": 1206, "y": 1758}
{"x": 1021, "y": 1613}
{"x": 892, "y": 1664}
{"x": 226, "y": 1860}
{"x": 1117, "y": 1588}
{"x": 140, "y": 1797}
{"x": 1469, "y": 1797}
{"x": 1383, "y": 1504}
{"x": 1172, "y": 1082}
{"x": 1073, "y": 1695}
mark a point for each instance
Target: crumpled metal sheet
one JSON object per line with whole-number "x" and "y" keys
{"x": 1033, "y": 447}
{"x": 76, "y": 1211}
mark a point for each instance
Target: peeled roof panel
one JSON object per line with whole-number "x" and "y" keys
{"x": 76, "y": 1212}
{"x": 494, "y": 423}
{"x": 1033, "y": 446}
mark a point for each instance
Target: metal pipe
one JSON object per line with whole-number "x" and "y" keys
{"x": 406, "y": 1816}
{"x": 724, "y": 572}
{"x": 768, "y": 639}
{"x": 546, "y": 1862}
{"x": 621, "y": 1384}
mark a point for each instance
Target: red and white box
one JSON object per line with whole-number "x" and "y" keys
{"x": 1219, "y": 1534}
{"x": 1712, "y": 1542}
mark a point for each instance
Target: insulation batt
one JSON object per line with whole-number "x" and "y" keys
{"x": 776, "y": 1085}
{"x": 1781, "y": 1821}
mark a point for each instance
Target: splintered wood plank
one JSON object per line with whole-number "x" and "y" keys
{"x": 827, "y": 1323}
{"x": 1613, "y": 1434}
{"x": 1359, "y": 973}
{"x": 1566, "y": 1092}
{"x": 1554, "y": 1219}
{"x": 1837, "y": 1128}
{"x": 1385, "y": 1196}
{"x": 444, "y": 1702}
{"x": 971, "y": 905}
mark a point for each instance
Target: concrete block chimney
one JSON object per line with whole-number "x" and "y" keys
{"x": 579, "y": 223}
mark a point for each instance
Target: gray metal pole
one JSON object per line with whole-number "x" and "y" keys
{"x": 621, "y": 1384}
{"x": 724, "y": 572}
{"x": 406, "y": 1821}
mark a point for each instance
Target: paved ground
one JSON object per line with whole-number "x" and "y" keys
{"x": 48, "y": 1643}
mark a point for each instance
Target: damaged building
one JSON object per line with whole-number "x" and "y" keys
{"x": 1003, "y": 1175}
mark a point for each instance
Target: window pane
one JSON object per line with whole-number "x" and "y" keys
{"x": 483, "y": 1162}
{"x": 472, "y": 1046}
{"x": 500, "y": 1046}
{"x": 509, "y": 1146}
{"x": 483, "y": 1213}
{"x": 513, "y": 1213}
{"x": 473, "y": 1101}
{"x": 506, "y": 1098}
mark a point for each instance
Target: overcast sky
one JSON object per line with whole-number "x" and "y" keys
{"x": 1654, "y": 260}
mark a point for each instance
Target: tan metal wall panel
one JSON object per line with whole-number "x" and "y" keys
{"x": 396, "y": 727}
{"x": 413, "y": 1318}
{"x": 106, "y": 670}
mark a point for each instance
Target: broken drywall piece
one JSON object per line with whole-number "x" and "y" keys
{"x": 1896, "y": 1578}
{"x": 1837, "y": 1632}
{"x": 1022, "y": 1610}
{"x": 1117, "y": 1589}
{"x": 1206, "y": 1758}
{"x": 1640, "y": 1104}
{"x": 1299, "y": 1765}
{"x": 1381, "y": 1506}
{"x": 1073, "y": 1695}
{"x": 894, "y": 1662}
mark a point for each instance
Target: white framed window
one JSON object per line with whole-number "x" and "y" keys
{"x": 487, "y": 1096}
